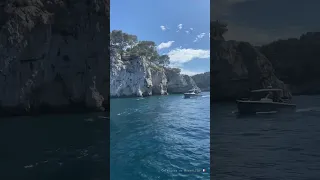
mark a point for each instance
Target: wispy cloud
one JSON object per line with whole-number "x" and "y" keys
{"x": 165, "y": 45}
{"x": 188, "y": 32}
{"x": 179, "y": 27}
{"x": 163, "y": 28}
{"x": 191, "y": 29}
{"x": 199, "y": 37}
{"x": 180, "y": 56}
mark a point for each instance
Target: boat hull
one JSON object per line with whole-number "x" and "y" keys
{"x": 253, "y": 107}
{"x": 190, "y": 95}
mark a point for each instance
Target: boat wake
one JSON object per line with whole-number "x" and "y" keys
{"x": 268, "y": 112}
{"x": 310, "y": 109}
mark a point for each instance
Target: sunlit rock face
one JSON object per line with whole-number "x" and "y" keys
{"x": 135, "y": 76}
{"x": 54, "y": 56}
{"x": 130, "y": 77}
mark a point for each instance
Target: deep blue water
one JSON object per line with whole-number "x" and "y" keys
{"x": 53, "y": 147}
{"x": 160, "y": 137}
{"x": 267, "y": 147}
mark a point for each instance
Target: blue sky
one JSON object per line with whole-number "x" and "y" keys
{"x": 180, "y": 28}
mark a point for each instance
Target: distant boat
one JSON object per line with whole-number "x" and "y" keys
{"x": 192, "y": 93}
{"x": 263, "y": 101}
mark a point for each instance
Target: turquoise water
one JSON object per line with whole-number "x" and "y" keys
{"x": 160, "y": 137}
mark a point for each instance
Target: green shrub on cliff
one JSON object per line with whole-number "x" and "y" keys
{"x": 128, "y": 46}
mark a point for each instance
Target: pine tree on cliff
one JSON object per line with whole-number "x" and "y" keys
{"x": 129, "y": 47}
{"x": 218, "y": 29}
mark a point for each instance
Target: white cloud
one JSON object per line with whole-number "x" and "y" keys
{"x": 209, "y": 35}
{"x": 190, "y": 72}
{"x": 199, "y": 37}
{"x": 163, "y": 28}
{"x": 180, "y": 56}
{"x": 165, "y": 45}
{"x": 179, "y": 27}
{"x": 187, "y": 32}
{"x": 191, "y": 29}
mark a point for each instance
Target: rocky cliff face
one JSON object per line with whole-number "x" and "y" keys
{"x": 296, "y": 62}
{"x": 53, "y": 55}
{"x": 135, "y": 76}
{"x": 238, "y": 67}
{"x": 179, "y": 83}
{"x": 202, "y": 81}
{"x": 130, "y": 77}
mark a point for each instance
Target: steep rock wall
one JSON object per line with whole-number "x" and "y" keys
{"x": 53, "y": 56}
{"x": 202, "y": 80}
{"x": 179, "y": 83}
{"x": 239, "y": 67}
{"x": 135, "y": 76}
{"x": 131, "y": 77}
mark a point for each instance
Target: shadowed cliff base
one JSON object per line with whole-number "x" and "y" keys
{"x": 53, "y": 53}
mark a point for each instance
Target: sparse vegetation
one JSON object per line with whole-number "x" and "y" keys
{"x": 127, "y": 45}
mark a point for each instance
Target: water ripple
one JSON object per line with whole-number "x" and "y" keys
{"x": 165, "y": 137}
{"x": 272, "y": 147}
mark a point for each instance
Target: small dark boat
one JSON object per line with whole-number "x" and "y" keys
{"x": 264, "y": 101}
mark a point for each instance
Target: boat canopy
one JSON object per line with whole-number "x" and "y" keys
{"x": 266, "y": 90}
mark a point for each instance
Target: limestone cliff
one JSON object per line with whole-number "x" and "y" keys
{"x": 202, "y": 80}
{"x": 136, "y": 76}
{"x": 179, "y": 83}
{"x": 238, "y": 67}
{"x": 53, "y": 56}
{"x": 130, "y": 77}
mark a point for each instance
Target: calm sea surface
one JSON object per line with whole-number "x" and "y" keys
{"x": 267, "y": 147}
{"x": 160, "y": 137}
{"x": 56, "y": 147}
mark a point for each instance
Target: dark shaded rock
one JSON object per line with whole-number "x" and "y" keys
{"x": 296, "y": 62}
{"x": 238, "y": 67}
{"x": 32, "y": 77}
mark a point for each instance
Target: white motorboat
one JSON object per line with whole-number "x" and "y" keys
{"x": 263, "y": 101}
{"x": 192, "y": 93}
